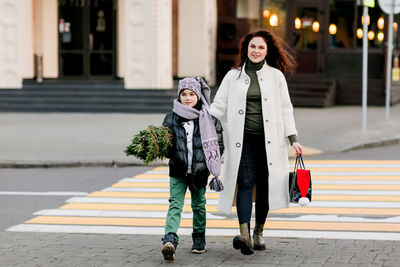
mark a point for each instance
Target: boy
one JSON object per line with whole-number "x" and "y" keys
{"x": 195, "y": 152}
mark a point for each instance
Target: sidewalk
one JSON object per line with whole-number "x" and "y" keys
{"x": 76, "y": 139}
{"x": 41, "y": 249}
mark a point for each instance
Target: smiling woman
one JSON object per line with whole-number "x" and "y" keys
{"x": 254, "y": 98}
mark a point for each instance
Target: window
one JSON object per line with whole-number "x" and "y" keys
{"x": 376, "y": 21}
{"x": 340, "y": 28}
{"x": 273, "y": 16}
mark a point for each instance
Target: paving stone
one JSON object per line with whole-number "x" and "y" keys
{"x": 315, "y": 260}
{"x": 364, "y": 260}
{"x": 391, "y": 263}
{"x": 45, "y": 249}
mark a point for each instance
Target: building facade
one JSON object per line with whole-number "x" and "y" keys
{"x": 133, "y": 40}
{"x": 148, "y": 43}
{"x": 326, "y": 40}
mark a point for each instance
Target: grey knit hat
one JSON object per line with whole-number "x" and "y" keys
{"x": 191, "y": 84}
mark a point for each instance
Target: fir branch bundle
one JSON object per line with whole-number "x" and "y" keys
{"x": 150, "y": 144}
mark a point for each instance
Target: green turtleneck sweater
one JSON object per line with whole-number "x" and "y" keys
{"x": 254, "y": 120}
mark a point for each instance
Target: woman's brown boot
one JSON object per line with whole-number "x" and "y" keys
{"x": 258, "y": 241}
{"x": 243, "y": 241}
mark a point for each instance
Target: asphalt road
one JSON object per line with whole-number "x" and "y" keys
{"x": 24, "y": 191}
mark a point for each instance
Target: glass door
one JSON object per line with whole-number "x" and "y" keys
{"x": 307, "y": 23}
{"x": 87, "y": 39}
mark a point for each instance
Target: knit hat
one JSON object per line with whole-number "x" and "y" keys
{"x": 191, "y": 84}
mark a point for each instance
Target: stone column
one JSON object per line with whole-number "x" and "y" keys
{"x": 148, "y": 44}
{"x": 10, "y": 71}
{"x": 197, "y": 33}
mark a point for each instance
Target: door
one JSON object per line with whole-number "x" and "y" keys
{"x": 87, "y": 39}
{"x": 307, "y": 28}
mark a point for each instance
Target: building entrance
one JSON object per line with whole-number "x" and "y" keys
{"x": 87, "y": 34}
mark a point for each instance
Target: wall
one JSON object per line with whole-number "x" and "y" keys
{"x": 26, "y": 36}
{"x": 148, "y": 44}
{"x": 120, "y": 39}
{"x": 50, "y": 38}
{"x": 10, "y": 69}
{"x": 197, "y": 39}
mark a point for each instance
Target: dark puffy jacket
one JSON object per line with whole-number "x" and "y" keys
{"x": 178, "y": 160}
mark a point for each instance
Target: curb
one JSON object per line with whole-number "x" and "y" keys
{"x": 72, "y": 164}
{"x": 378, "y": 143}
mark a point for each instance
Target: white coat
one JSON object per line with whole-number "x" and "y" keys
{"x": 229, "y": 107}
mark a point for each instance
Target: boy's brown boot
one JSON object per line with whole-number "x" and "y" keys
{"x": 169, "y": 246}
{"x": 258, "y": 241}
{"x": 243, "y": 241}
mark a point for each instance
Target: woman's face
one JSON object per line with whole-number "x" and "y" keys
{"x": 188, "y": 98}
{"x": 257, "y": 49}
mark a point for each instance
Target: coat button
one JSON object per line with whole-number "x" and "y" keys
{"x": 241, "y": 111}
{"x": 266, "y": 120}
{"x": 237, "y": 144}
{"x": 260, "y": 79}
{"x": 269, "y": 142}
{"x": 270, "y": 163}
{"x": 265, "y": 99}
{"x": 247, "y": 82}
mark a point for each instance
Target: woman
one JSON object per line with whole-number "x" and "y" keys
{"x": 254, "y": 105}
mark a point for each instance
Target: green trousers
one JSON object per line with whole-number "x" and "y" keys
{"x": 177, "y": 189}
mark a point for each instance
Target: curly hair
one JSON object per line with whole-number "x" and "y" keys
{"x": 278, "y": 55}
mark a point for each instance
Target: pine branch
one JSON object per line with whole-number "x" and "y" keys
{"x": 150, "y": 144}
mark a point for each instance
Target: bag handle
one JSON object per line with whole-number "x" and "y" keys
{"x": 301, "y": 162}
{"x": 295, "y": 164}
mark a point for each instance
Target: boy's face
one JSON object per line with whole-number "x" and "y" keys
{"x": 188, "y": 98}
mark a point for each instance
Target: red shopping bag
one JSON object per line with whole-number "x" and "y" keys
{"x": 300, "y": 186}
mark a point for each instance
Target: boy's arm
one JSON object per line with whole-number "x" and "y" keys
{"x": 168, "y": 123}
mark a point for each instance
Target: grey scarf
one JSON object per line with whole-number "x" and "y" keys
{"x": 209, "y": 138}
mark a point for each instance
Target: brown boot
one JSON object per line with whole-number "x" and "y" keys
{"x": 258, "y": 241}
{"x": 243, "y": 241}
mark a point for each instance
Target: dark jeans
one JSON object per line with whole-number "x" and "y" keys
{"x": 253, "y": 170}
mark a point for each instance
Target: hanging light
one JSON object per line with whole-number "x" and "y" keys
{"x": 315, "y": 26}
{"x": 381, "y": 23}
{"x": 395, "y": 26}
{"x": 371, "y": 35}
{"x": 380, "y": 36}
{"x": 266, "y": 13}
{"x": 359, "y": 33}
{"x": 332, "y": 29}
{"x": 273, "y": 20}
{"x": 362, "y": 20}
{"x": 297, "y": 23}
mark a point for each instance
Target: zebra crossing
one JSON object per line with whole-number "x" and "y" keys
{"x": 352, "y": 199}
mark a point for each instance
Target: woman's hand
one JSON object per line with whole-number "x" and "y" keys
{"x": 298, "y": 148}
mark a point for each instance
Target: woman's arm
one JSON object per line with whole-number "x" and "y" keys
{"x": 286, "y": 108}
{"x": 288, "y": 118}
{"x": 220, "y": 104}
